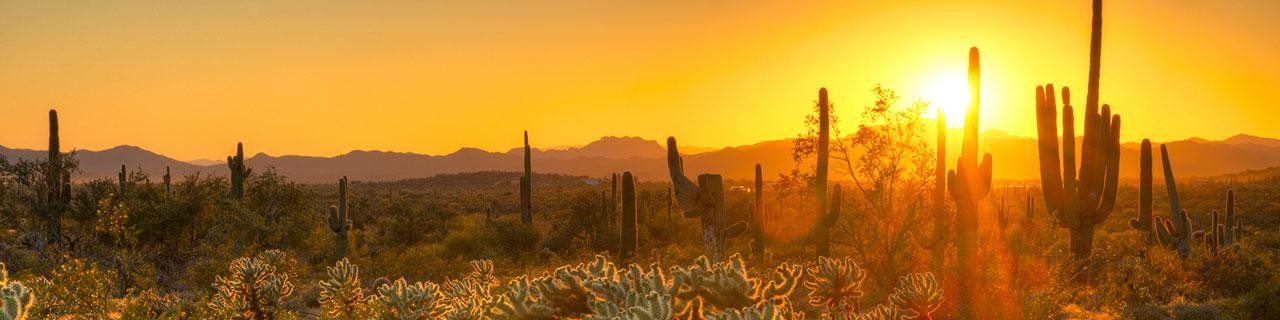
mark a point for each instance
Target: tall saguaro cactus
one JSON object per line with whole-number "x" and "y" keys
{"x": 238, "y": 171}
{"x": 758, "y": 217}
{"x": 822, "y": 246}
{"x": 56, "y": 198}
{"x": 969, "y": 183}
{"x": 168, "y": 183}
{"x": 630, "y": 233}
{"x": 526, "y": 185}
{"x": 703, "y": 200}
{"x": 1176, "y": 232}
{"x": 340, "y": 222}
{"x": 941, "y": 216}
{"x": 124, "y": 178}
{"x": 1080, "y": 200}
{"x": 1144, "y": 221}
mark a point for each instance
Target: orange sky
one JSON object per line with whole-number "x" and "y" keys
{"x": 190, "y": 79}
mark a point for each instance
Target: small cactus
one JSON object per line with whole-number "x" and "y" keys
{"x": 238, "y": 172}
{"x": 630, "y": 232}
{"x": 15, "y": 298}
{"x": 340, "y": 222}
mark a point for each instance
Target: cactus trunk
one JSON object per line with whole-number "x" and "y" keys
{"x": 57, "y": 193}
{"x": 822, "y": 232}
{"x": 703, "y": 200}
{"x": 758, "y": 218}
{"x": 340, "y": 221}
{"x": 630, "y": 233}
{"x": 941, "y": 227}
{"x": 822, "y": 245}
{"x": 969, "y": 183}
{"x": 1144, "y": 221}
{"x": 526, "y": 185}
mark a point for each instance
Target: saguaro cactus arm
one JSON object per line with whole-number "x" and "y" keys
{"x": 686, "y": 191}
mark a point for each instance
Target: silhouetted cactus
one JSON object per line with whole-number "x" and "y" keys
{"x": 168, "y": 184}
{"x": 822, "y": 243}
{"x": 1144, "y": 221}
{"x": 826, "y": 221}
{"x": 15, "y": 298}
{"x": 630, "y": 232}
{"x": 968, "y": 184}
{"x": 238, "y": 172}
{"x": 1231, "y": 237}
{"x": 55, "y": 199}
{"x": 1176, "y": 232}
{"x": 526, "y": 185}
{"x": 941, "y": 214}
{"x": 1080, "y": 201}
{"x": 702, "y": 200}
{"x": 340, "y": 221}
{"x": 1222, "y": 233}
{"x": 123, "y": 178}
{"x": 758, "y": 218}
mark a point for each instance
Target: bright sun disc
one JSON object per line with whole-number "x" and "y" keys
{"x": 951, "y": 95}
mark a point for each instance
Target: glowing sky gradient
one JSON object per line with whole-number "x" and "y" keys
{"x": 189, "y": 79}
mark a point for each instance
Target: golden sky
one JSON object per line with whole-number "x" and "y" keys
{"x": 189, "y": 79}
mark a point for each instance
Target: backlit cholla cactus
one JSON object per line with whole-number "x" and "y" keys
{"x": 341, "y": 296}
{"x": 835, "y": 285}
{"x": 776, "y": 309}
{"x": 254, "y": 290}
{"x": 521, "y": 301}
{"x": 882, "y": 312}
{"x": 702, "y": 200}
{"x": 919, "y": 294}
{"x": 727, "y": 285}
{"x": 15, "y": 298}
{"x": 401, "y": 300}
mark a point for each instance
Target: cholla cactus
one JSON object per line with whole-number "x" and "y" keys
{"x": 521, "y": 302}
{"x": 835, "y": 284}
{"x": 773, "y": 309}
{"x": 919, "y": 294}
{"x": 705, "y": 200}
{"x": 882, "y": 312}
{"x": 727, "y": 285}
{"x": 254, "y": 289}
{"x": 15, "y": 298}
{"x": 341, "y": 296}
{"x": 400, "y": 300}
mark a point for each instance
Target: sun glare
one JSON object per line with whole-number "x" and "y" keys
{"x": 949, "y": 93}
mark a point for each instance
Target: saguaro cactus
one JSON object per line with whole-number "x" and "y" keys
{"x": 758, "y": 217}
{"x": 822, "y": 246}
{"x": 340, "y": 222}
{"x": 1144, "y": 220}
{"x": 1174, "y": 233}
{"x": 941, "y": 216}
{"x": 168, "y": 183}
{"x": 1080, "y": 201}
{"x": 526, "y": 185}
{"x": 826, "y": 220}
{"x": 238, "y": 172}
{"x": 123, "y": 177}
{"x": 1222, "y": 233}
{"x": 1232, "y": 224}
{"x": 702, "y": 200}
{"x": 969, "y": 183}
{"x": 56, "y": 198}
{"x": 630, "y": 233}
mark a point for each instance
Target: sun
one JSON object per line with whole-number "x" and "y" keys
{"x": 949, "y": 93}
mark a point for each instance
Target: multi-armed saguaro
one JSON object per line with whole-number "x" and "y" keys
{"x": 630, "y": 233}
{"x": 1174, "y": 233}
{"x": 969, "y": 183}
{"x": 238, "y": 171}
{"x": 526, "y": 185}
{"x": 1080, "y": 200}
{"x": 702, "y": 200}
{"x": 822, "y": 235}
{"x": 56, "y": 198}
{"x": 340, "y": 222}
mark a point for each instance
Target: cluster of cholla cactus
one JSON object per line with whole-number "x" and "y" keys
{"x": 526, "y": 185}
{"x": 55, "y": 200}
{"x": 238, "y": 172}
{"x": 15, "y": 298}
{"x": 703, "y": 200}
{"x": 469, "y": 297}
{"x": 968, "y": 184}
{"x": 630, "y": 219}
{"x": 340, "y": 221}
{"x": 255, "y": 288}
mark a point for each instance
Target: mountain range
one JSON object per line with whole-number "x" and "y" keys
{"x": 1013, "y": 157}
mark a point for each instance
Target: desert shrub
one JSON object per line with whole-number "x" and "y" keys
{"x": 74, "y": 290}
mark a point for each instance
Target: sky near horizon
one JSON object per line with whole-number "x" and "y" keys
{"x": 190, "y": 79}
